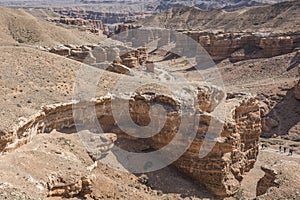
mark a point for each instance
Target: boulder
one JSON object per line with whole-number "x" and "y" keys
{"x": 269, "y": 123}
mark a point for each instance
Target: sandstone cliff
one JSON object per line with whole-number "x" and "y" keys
{"x": 221, "y": 171}
{"x": 95, "y": 55}
{"x": 240, "y": 46}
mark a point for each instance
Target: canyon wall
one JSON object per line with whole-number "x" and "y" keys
{"x": 241, "y": 46}
{"x": 221, "y": 171}
{"x": 93, "y": 54}
{"x": 105, "y": 17}
{"x": 94, "y": 26}
{"x": 234, "y": 153}
{"x": 220, "y": 46}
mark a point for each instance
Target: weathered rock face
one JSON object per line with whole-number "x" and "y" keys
{"x": 5, "y": 139}
{"x": 267, "y": 181}
{"x": 236, "y": 46}
{"x": 240, "y": 46}
{"x": 234, "y": 153}
{"x": 221, "y": 171}
{"x": 268, "y": 124}
{"x": 135, "y": 58}
{"x": 82, "y": 187}
{"x": 94, "y": 26}
{"x": 78, "y": 22}
{"x": 97, "y": 54}
{"x": 125, "y": 27}
{"x": 62, "y": 51}
{"x": 105, "y": 17}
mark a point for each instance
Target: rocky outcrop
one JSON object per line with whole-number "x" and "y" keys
{"x": 268, "y": 124}
{"x": 105, "y": 17}
{"x": 61, "y": 50}
{"x": 221, "y": 171}
{"x": 125, "y": 27}
{"x": 135, "y": 58}
{"x": 267, "y": 181}
{"x": 241, "y": 46}
{"x": 119, "y": 68}
{"x": 94, "y": 26}
{"x": 82, "y": 187}
{"x": 78, "y": 22}
{"x": 234, "y": 153}
{"x": 235, "y": 46}
{"x": 93, "y": 54}
{"x": 5, "y": 138}
{"x": 281, "y": 180}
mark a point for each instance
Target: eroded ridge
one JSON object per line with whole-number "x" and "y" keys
{"x": 221, "y": 171}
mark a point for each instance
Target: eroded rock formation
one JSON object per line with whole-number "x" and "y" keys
{"x": 221, "y": 171}
{"x": 241, "y": 46}
{"x": 105, "y": 17}
{"x": 93, "y": 54}
{"x": 234, "y": 153}
{"x": 81, "y": 187}
{"x": 267, "y": 181}
{"x": 94, "y": 26}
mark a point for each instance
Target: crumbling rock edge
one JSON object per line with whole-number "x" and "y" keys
{"x": 221, "y": 171}
{"x": 268, "y": 181}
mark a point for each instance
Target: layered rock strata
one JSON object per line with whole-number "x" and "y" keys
{"x": 93, "y": 26}
{"x": 93, "y": 54}
{"x": 234, "y": 153}
{"x": 241, "y": 46}
{"x": 105, "y": 17}
{"x": 221, "y": 171}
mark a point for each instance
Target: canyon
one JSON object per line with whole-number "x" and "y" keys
{"x": 46, "y": 125}
{"x": 236, "y": 148}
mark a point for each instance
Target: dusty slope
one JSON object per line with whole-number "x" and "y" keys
{"x": 18, "y": 26}
{"x": 278, "y": 17}
{"x": 30, "y": 78}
